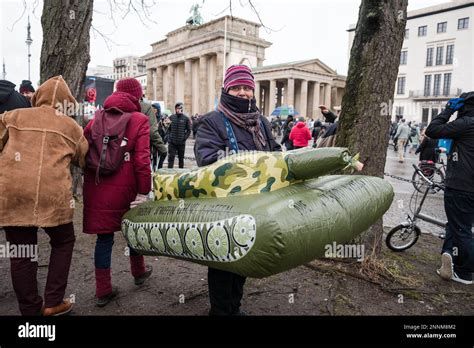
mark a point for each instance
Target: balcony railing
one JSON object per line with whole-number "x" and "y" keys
{"x": 421, "y": 94}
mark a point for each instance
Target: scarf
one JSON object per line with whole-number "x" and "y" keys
{"x": 245, "y": 114}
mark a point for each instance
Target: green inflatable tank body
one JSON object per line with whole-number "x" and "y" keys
{"x": 258, "y": 235}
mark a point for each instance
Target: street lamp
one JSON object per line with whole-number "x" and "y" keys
{"x": 28, "y": 42}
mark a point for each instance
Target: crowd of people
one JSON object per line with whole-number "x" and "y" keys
{"x": 128, "y": 137}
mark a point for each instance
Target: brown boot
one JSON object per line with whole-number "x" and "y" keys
{"x": 61, "y": 309}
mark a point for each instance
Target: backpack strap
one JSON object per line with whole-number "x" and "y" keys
{"x": 103, "y": 154}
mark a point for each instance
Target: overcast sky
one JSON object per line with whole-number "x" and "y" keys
{"x": 303, "y": 29}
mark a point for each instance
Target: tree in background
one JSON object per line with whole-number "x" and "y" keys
{"x": 373, "y": 69}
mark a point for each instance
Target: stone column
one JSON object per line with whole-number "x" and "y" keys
{"x": 159, "y": 83}
{"x": 333, "y": 96}
{"x": 290, "y": 99}
{"x": 149, "y": 84}
{"x": 316, "y": 103}
{"x": 257, "y": 93}
{"x": 188, "y": 87}
{"x": 327, "y": 95}
{"x": 304, "y": 99}
{"x": 219, "y": 75}
{"x": 171, "y": 88}
{"x": 203, "y": 85}
{"x": 267, "y": 101}
{"x": 271, "y": 95}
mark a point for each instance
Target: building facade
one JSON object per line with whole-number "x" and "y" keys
{"x": 129, "y": 66}
{"x": 436, "y": 62}
{"x": 304, "y": 85}
{"x": 106, "y": 72}
{"x": 189, "y": 66}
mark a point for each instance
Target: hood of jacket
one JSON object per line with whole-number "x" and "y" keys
{"x": 122, "y": 101}
{"x": 468, "y": 108}
{"x": 56, "y": 94}
{"x": 237, "y": 104}
{"x": 6, "y": 89}
{"x": 300, "y": 124}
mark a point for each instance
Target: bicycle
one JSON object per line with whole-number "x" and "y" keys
{"x": 434, "y": 171}
{"x": 405, "y": 235}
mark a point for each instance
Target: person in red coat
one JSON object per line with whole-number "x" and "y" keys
{"x": 300, "y": 135}
{"x": 107, "y": 202}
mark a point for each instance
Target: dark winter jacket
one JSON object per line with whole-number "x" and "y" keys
{"x": 285, "y": 140}
{"x": 316, "y": 130}
{"x": 212, "y": 141}
{"x": 460, "y": 170}
{"x": 328, "y": 139}
{"x": 156, "y": 142}
{"x": 11, "y": 99}
{"x": 179, "y": 129}
{"x": 427, "y": 150}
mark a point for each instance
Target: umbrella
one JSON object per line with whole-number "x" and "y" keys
{"x": 284, "y": 111}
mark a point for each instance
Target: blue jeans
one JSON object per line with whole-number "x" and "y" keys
{"x": 103, "y": 250}
{"x": 459, "y": 207}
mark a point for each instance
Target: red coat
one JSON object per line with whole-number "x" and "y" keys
{"x": 106, "y": 203}
{"x": 300, "y": 135}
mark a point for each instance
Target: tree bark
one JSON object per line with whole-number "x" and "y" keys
{"x": 373, "y": 69}
{"x": 66, "y": 41}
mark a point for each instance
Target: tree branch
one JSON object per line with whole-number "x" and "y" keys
{"x": 21, "y": 16}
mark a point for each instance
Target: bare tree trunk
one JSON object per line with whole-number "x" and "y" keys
{"x": 66, "y": 41}
{"x": 373, "y": 68}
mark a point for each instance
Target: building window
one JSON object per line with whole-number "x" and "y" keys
{"x": 423, "y": 30}
{"x": 434, "y": 113}
{"x": 439, "y": 55}
{"x": 427, "y": 90}
{"x": 429, "y": 56}
{"x": 424, "y": 116}
{"x": 437, "y": 85}
{"x": 442, "y": 27}
{"x": 463, "y": 23}
{"x": 407, "y": 33}
{"x": 401, "y": 85}
{"x": 399, "y": 111}
{"x": 449, "y": 54}
{"x": 403, "y": 58}
{"x": 447, "y": 84}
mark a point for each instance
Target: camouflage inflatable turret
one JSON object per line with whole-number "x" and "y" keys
{"x": 258, "y": 214}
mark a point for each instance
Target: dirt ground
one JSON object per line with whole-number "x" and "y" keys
{"x": 407, "y": 285}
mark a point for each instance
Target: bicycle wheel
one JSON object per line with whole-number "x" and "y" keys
{"x": 402, "y": 237}
{"x": 436, "y": 176}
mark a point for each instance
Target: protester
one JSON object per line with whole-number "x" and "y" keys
{"x": 428, "y": 149}
{"x": 36, "y": 191}
{"x": 459, "y": 191}
{"x": 195, "y": 124}
{"x": 133, "y": 87}
{"x": 27, "y": 90}
{"x": 107, "y": 198}
{"x": 327, "y": 138}
{"x": 179, "y": 132}
{"x": 300, "y": 134}
{"x": 317, "y": 131}
{"x": 403, "y": 133}
{"x": 236, "y": 126}
{"x": 11, "y": 99}
{"x": 287, "y": 127}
